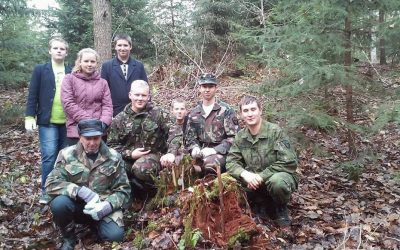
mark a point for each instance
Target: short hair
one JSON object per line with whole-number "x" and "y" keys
{"x": 58, "y": 39}
{"x": 139, "y": 84}
{"x": 177, "y": 100}
{"x": 122, "y": 37}
{"x": 77, "y": 67}
{"x": 247, "y": 99}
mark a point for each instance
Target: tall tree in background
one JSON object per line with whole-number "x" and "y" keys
{"x": 102, "y": 28}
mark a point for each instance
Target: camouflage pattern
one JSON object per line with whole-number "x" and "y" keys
{"x": 106, "y": 176}
{"x": 216, "y": 131}
{"x": 176, "y": 138}
{"x": 266, "y": 154}
{"x": 148, "y": 129}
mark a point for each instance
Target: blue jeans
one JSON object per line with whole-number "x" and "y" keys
{"x": 52, "y": 139}
{"x": 65, "y": 210}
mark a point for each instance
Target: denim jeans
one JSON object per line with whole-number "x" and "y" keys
{"x": 52, "y": 139}
{"x": 65, "y": 210}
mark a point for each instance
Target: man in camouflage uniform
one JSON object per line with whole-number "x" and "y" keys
{"x": 176, "y": 135}
{"x": 140, "y": 134}
{"x": 88, "y": 186}
{"x": 212, "y": 126}
{"x": 262, "y": 158}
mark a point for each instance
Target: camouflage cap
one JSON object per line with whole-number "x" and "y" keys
{"x": 207, "y": 78}
{"x": 90, "y": 127}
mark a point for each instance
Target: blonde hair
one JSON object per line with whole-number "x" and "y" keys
{"x": 58, "y": 39}
{"x": 139, "y": 84}
{"x": 77, "y": 67}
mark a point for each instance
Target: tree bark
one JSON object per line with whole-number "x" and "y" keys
{"x": 349, "y": 87}
{"x": 382, "y": 50}
{"x": 102, "y": 28}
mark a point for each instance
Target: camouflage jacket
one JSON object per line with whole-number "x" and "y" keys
{"x": 148, "y": 129}
{"x": 106, "y": 176}
{"x": 217, "y": 130}
{"x": 176, "y": 137}
{"x": 267, "y": 153}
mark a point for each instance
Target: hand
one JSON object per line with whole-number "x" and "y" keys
{"x": 196, "y": 152}
{"x": 30, "y": 123}
{"x": 208, "y": 151}
{"x": 253, "y": 180}
{"x": 139, "y": 152}
{"x": 88, "y": 195}
{"x": 97, "y": 210}
{"x": 167, "y": 160}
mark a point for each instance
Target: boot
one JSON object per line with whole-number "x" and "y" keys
{"x": 69, "y": 237}
{"x": 281, "y": 216}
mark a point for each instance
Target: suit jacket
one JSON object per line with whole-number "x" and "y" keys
{"x": 119, "y": 86}
{"x": 42, "y": 89}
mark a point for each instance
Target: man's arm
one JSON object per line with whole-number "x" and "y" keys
{"x": 117, "y": 137}
{"x": 235, "y": 162}
{"x": 120, "y": 188}
{"x": 191, "y": 140}
{"x": 231, "y": 127}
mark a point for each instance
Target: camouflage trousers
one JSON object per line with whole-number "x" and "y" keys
{"x": 277, "y": 189}
{"x": 145, "y": 168}
{"x": 209, "y": 164}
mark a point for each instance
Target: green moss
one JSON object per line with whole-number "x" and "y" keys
{"x": 239, "y": 236}
{"x": 151, "y": 226}
{"x": 137, "y": 242}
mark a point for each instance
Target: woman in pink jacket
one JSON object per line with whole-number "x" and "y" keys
{"x": 85, "y": 95}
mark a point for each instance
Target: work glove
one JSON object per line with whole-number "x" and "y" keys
{"x": 253, "y": 180}
{"x": 88, "y": 195}
{"x": 30, "y": 123}
{"x": 97, "y": 210}
{"x": 208, "y": 151}
{"x": 196, "y": 152}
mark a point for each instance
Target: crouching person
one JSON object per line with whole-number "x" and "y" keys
{"x": 263, "y": 159}
{"x": 88, "y": 186}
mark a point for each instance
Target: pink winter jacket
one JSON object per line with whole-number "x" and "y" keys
{"x": 85, "y": 97}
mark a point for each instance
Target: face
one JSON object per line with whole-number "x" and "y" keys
{"x": 179, "y": 110}
{"x": 208, "y": 91}
{"x": 58, "y": 51}
{"x": 88, "y": 63}
{"x": 123, "y": 49}
{"x": 90, "y": 144}
{"x": 251, "y": 114}
{"x": 139, "y": 98}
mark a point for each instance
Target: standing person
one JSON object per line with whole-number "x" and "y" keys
{"x": 121, "y": 71}
{"x": 212, "y": 126}
{"x": 85, "y": 95}
{"x": 140, "y": 134}
{"x": 44, "y": 107}
{"x": 88, "y": 186}
{"x": 263, "y": 159}
{"x": 176, "y": 134}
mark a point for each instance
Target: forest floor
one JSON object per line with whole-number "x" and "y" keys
{"x": 328, "y": 211}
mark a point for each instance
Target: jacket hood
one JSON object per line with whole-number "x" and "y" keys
{"x": 94, "y": 76}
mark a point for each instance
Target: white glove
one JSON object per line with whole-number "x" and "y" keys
{"x": 253, "y": 180}
{"x": 208, "y": 151}
{"x": 167, "y": 160}
{"x": 196, "y": 152}
{"x": 97, "y": 210}
{"x": 30, "y": 123}
{"x": 88, "y": 195}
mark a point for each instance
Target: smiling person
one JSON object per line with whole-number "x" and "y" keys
{"x": 212, "y": 126}
{"x": 121, "y": 71}
{"x": 44, "y": 107}
{"x": 262, "y": 158}
{"x": 85, "y": 95}
{"x": 140, "y": 134}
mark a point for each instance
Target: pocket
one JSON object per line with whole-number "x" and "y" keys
{"x": 74, "y": 168}
{"x": 107, "y": 170}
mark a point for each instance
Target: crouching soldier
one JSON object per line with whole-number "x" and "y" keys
{"x": 88, "y": 185}
{"x": 263, "y": 159}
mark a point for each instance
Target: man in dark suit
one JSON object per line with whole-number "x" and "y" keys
{"x": 121, "y": 71}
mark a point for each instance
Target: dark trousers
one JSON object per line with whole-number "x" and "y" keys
{"x": 66, "y": 210}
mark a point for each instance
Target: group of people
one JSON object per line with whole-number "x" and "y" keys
{"x": 118, "y": 140}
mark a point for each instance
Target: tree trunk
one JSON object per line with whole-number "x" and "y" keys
{"x": 102, "y": 28}
{"x": 349, "y": 87}
{"x": 382, "y": 56}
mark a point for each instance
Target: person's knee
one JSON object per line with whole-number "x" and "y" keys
{"x": 110, "y": 231}
{"x": 280, "y": 187}
{"x": 61, "y": 205}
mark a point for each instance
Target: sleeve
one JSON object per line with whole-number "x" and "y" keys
{"x": 120, "y": 188}
{"x": 286, "y": 158}
{"x": 33, "y": 92}
{"x": 235, "y": 161}
{"x": 71, "y": 108}
{"x": 191, "y": 135}
{"x": 175, "y": 138}
{"x": 104, "y": 72}
{"x": 57, "y": 181}
{"x": 106, "y": 105}
{"x": 231, "y": 127}
{"x": 116, "y": 139}
{"x": 143, "y": 75}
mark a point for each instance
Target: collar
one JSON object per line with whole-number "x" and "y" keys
{"x": 121, "y": 62}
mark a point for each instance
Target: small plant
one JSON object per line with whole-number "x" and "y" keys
{"x": 353, "y": 169}
{"x": 194, "y": 238}
{"x": 137, "y": 242}
{"x": 239, "y": 236}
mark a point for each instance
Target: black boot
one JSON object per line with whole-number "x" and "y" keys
{"x": 281, "y": 216}
{"x": 69, "y": 237}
